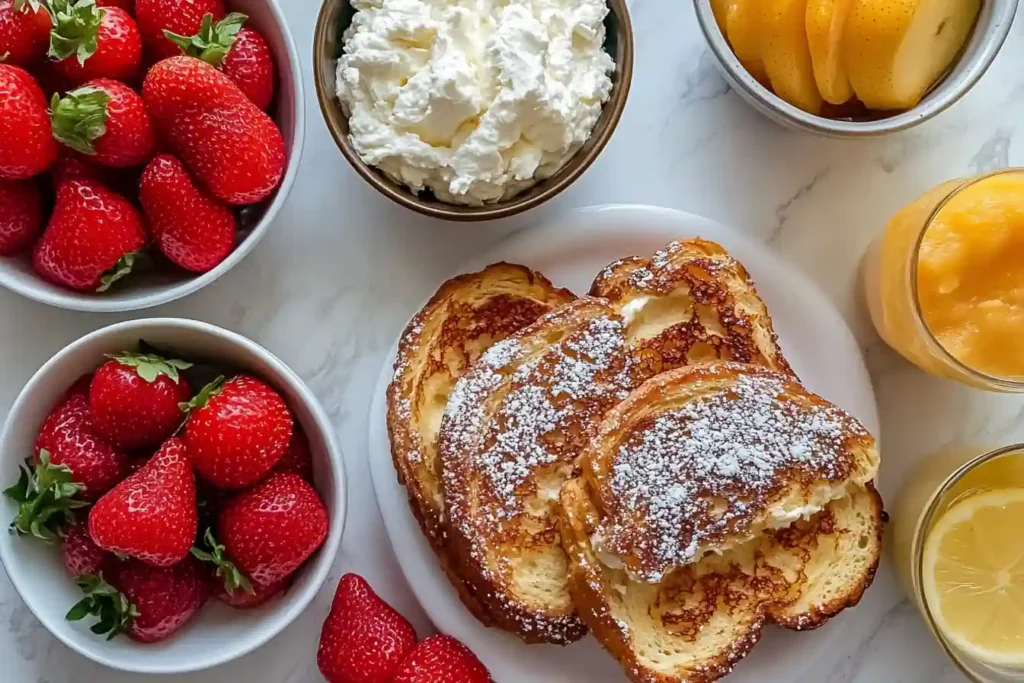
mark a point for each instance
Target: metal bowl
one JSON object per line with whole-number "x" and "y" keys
{"x": 988, "y": 36}
{"x": 336, "y": 15}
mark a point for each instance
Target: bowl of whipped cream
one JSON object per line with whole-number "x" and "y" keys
{"x": 473, "y": 109}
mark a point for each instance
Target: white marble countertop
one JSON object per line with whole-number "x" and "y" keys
{"x": 342, "y": 270}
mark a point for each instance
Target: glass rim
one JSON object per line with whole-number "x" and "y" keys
{"x": 1010, "y": 385}
{"x": 925, "y": 521}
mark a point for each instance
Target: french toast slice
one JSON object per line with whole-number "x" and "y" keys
{"x": 691, "y": 302}
{"x": 714, "y": 499}
{"x": 510, "y": 437}
{"x": 465, "y": 316}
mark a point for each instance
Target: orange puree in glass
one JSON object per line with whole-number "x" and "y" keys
{"x": 970, "y": 276}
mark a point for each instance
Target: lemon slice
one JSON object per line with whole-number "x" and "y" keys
{"x": 974, "y": 576}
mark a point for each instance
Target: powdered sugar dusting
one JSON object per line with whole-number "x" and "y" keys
{"x": 693, "y": 475}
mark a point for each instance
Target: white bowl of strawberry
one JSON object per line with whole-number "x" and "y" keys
{"x": 145, "y": 145}
{"x": 176, "y": 496}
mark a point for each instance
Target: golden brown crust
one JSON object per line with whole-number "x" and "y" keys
{"x": 464, "y": 317}
{"x": 514, "y": 427}
{"x": 709, "y": 306}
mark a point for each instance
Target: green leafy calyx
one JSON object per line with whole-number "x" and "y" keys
{"x": 47, "y": 498}
{"x": 149, "y": 366}
{"x": 102, "y": 600}
{"x": 204, "y": 395}
{"x": 214, "y": 41}
{"x": 76, "y": 25}
{"x": 213, "y": 553}
{"x": 26, "y": 5}
{"x": 121, "y": 269}
{"x": 80, "y": 118}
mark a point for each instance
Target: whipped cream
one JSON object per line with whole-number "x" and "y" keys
{"x": 475, "y": 100}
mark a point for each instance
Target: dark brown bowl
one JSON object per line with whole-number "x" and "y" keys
{"x": 335, "y": 16}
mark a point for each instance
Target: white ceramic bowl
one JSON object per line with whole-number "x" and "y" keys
{"x": 219, "y": 634}
{"x": 989, "y": 34}
{"x": 144, "y": 290}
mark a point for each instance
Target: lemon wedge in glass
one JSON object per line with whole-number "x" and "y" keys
{"x": 973, "y": 576}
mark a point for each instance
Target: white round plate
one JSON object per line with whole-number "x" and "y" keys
{"x": 571, "y": 250}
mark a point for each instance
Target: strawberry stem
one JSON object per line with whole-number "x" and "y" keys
{"x": 122, "y": 268}
{"x": 149, "y": 366}
{"x": 204, "y": 395}
{"x": 232, "y": 576}
{"x": 102, "y": 600}
{"x": 76, "y": 26}
{"x": 80, "y": 118}
{"x": 46, "y": 497}
{"x": 214, "y": 41}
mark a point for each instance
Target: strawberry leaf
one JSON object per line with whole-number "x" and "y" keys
{"x": 149, "y": 366}
{"x": 46, "y": 497}
{"x": 214, "y": 41}
{"x": 204, "y": 395}
{"x": 76, "y": 25}
{"x": 102, "y": 600}
{"x": 234, "y": 579}
{"x": 27, "y": 5}
{"x": 122, "y": 268}
{"x": 80, "y": 118}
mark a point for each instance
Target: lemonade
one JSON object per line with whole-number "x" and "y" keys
{"x": 959, "y": 551}
{"x": 945, "y": 281}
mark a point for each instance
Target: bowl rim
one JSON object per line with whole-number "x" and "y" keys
{"x": 121, "y": 302}
{"x": 327, "y": 553}
{"x": 562, "y": 179}
{"x": 995, "y": 32}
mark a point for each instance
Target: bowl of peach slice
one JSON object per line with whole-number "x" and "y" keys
{"x": 854, "y": 68}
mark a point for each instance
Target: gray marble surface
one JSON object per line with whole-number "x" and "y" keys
{"x": 342, "y": 270}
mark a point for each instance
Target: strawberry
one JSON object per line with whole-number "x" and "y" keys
{"x": 92, "y": 239}
{"x": 127, "y": 5}
{"x": 72, "y": 165}
{"x": 241, "y": 53}
{"x": 183, "y": 17}
{"x": 70, "y": 438}
{"x": 90, "y": 42}
{"x": 232, "y": 146}
{"x": 27, "y": 147}
{"x": 192, "y": 229}
{"x": 134, "y": 399}
{"x": 81, "y": 555}
{"x": 24, "y": 31}
{"x": 152, "y": 514}
{"x": 297, "y": 459}
{"x": 147, "y": 603}
{"x": 107, "y": 121}
{"x": 21, "y": 214}
{"x": 363, "y": 640}
{"x": 260, "y": 596}
{"x": 442, "y": 658}
{"x": 270, "y": 530}
{"x": 237, "y": 431}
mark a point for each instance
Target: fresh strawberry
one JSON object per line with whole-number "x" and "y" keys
{"x": 442, "y": 658}
{"x": 237, "y": 431}
{"x": 241, "y": 53}
{"x": 152, "y": 514}
{"x": 134, "y": 399}
{"x": 91, "y": 42}
{"x": 228, "y": 583}
{"x": 260, "y": 596}
{"x": 72, "y": 165}
{"x": 147, "y": 603}
{"x": 232, "y": 146}
{"x": 24, "y": 31}
{"x": 70, "y": 438}
{"x": 21, "y": 214}
{"x": 27, "y": 147}
{"x": 270, "y": 530}
{"x": 192, "y": 229}
{"x": 92, "y": 239}
{"x": 81, "y": 555}
{"x": 183, "y": 17}
{"x": 297, "y": 459}
{"x": 127, "y": 5}
{"x": 363, "y": 640}
{"x": 107, "y": 121}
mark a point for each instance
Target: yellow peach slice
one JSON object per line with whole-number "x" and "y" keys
{"x": 787, "y": 55}
{"x": 825, "y": 22}
{"x": 743, "y": 29}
